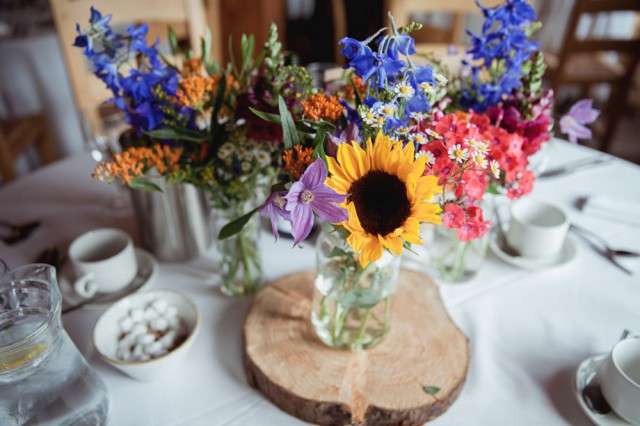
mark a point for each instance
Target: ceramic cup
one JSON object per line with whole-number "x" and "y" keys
{"x": 537, "y": 230}
{"x": 104, "y": 261}
{"x": 620, "y": 379}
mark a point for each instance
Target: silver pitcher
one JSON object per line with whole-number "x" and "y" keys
{"x": 175, "y": 224}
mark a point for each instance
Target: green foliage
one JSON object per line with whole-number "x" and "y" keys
{"x": 236, "y": 225}
{"x": 413, "y": 26}
{"x": 431, "y": 390}
{"x": 143, "y": 184}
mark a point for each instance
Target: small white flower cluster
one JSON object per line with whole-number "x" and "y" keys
{"x": 150, "y": 332}
{"x": 230, "y": 152}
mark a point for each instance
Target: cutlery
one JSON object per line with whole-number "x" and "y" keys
{"x": 603, "y": 242}
{"x": 17, "y": 232}
{"x": 602, "y": 249}
{"x": 572, "y": 167}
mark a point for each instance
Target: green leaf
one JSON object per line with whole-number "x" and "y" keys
{"x": 431, "y": 390}
{"x": 318, "y": 150}
{"x": 273, "y": 118}
{"x": 173, "y": 41}
{"x": 236, "y": 225}
{"x": 364, "y": 298}
{"x": 336, "y": 252}
{"x": 356, "y": 94}
{"x": 177, "y": 134}
{"x": 206, "y": 46}
{"x": 217, "y": 104}
{"x": 144, "y": 185}
{"x": 289, "y": 131}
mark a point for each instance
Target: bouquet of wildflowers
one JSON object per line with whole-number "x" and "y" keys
{"x": 192, "y": 119}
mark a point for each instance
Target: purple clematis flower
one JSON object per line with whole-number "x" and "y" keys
{"x": 275, "y": 206}
{"x": 310, "y": 195}
{"x": 573, "y": 123}
{"x": 350, "y": 133}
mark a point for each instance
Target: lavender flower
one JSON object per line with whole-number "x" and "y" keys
{"x": 573, "y": 123}
{"x": 310, "y": 195}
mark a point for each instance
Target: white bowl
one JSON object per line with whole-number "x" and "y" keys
{"x": 106, "y": 334}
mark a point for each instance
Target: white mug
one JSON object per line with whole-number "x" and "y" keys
{"x": 104, "y": 261}
{"x": 620, "y": 379}
{"x": 537, "y": 230}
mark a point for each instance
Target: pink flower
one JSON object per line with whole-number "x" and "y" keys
{"x": 453, "y": 216}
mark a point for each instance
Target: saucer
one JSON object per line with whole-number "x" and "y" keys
{"x": 587, "y": 371}
{"x": 567, "y": 253}
{"x": 147, "y": 271}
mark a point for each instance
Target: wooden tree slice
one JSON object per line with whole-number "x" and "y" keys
{"x": 384, "y": 385}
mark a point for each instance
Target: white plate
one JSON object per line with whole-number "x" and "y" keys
{"x": 587, "y": 371}
{"x": 567, "y": 253}
{"x": 147, "y": 270}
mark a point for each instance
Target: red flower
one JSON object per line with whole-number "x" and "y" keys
{"x": 453, "y": 216}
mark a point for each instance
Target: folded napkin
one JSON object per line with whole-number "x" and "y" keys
{"x": 613, "y": 208}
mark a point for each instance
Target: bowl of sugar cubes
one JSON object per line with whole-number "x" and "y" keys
{"x": 147, "y": 335}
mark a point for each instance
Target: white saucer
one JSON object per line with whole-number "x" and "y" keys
{"x": 147, "y": 271}
{"x": 587, "y": 371}
{"x": 567, "y": 253}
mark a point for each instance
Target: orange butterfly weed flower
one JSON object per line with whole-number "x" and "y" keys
{"x": 134, "y": 162}
{"x": 296, "y": 160}
{"x": 321, "y": 106}
{"x": 349, "y": 92}
{"x": 193, "y": 66}
{"x": 193, "y": 90}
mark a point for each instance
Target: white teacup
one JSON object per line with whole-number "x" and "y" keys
{"x": 620, "y": 379}
{"x": 104, "y": 261}
{"x": 537, "y": 230}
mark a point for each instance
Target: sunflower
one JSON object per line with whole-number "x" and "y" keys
{"x": 387, "y": 196}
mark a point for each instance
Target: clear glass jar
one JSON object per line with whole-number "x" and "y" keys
{"x": 43, "y": 377}
{"x": 351, "y": 304}
{"x": 453, "y": 260}
{"x": 239, "y": 258}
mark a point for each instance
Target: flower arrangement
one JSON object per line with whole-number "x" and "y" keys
{"x": 192, "y": 118}
{"x": 192, "y": 123}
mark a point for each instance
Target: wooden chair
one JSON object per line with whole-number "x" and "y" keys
{"x": 188, "y": 18}
{"x": 17, "y": 136}
{"x": 587, "y": 62}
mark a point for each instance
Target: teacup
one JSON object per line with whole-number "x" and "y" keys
{"x": 537, "y": 229}
{"x": 104, "y": 261}
{"x": 620, "y": 379}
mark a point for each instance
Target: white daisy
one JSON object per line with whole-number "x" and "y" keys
{"x": 480, "y": 160}
{"x": 433, "y": 134}
{"x": 368, "y": 116}
{"x": 404, "y": 89}
{"x": 441, "y": 79}
{"x": 418, "y": 116}
{"x": 263, "y": 157}
{"x": 457, "y": 153}
{"x": 418, "y": 137}
{"x": 245, "y": 166}
{"x": 426, "y": 88}
{"x": 431, "y": 159}
{"x": 495, "y": 168}
{"x": 387, "y": 110}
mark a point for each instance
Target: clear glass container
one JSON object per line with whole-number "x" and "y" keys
{"x": 351, "y": 304}
{"x": 239, "y": 258}
{"x": 44, "y": 379}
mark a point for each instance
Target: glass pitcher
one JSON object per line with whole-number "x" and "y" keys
{"x": 44, "y": 379}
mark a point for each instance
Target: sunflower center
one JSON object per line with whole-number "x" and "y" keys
{"x": 381, "y": 202}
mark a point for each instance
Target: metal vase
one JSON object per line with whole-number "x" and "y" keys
{"x": 175, "y": 224}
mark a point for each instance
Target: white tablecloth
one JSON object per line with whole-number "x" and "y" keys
{"x": 528, "y": 331}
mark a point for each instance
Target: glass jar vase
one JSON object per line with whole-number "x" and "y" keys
{"x": 239, "y": 258}
{"x": 351, "y": 306}
{"x": 43, "y": 377}
{"x": 452, "y": 259}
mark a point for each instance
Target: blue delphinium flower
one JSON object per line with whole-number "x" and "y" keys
{"x": 144, "y": 94}
{"x": 503, "y": 43}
